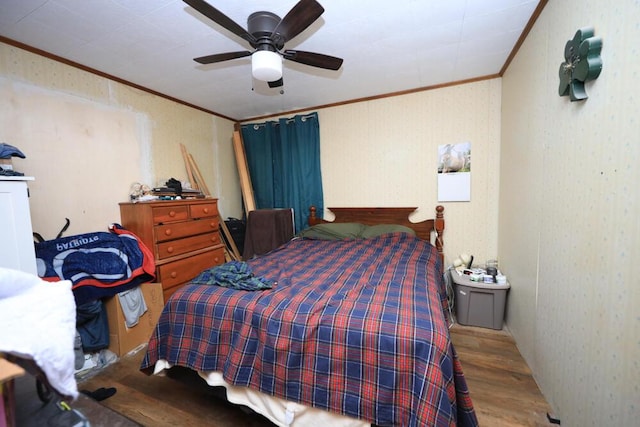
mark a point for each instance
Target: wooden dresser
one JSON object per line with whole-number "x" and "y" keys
{"x": 183, "y": 235}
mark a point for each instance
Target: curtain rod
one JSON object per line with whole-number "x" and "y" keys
{"x": 257, "y": 126}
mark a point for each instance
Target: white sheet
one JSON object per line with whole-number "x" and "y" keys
{"x": 38, "y": 321}
{"x": 280, "y": 412}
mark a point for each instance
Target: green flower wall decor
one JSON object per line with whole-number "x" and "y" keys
{"x": 582, "y": 63}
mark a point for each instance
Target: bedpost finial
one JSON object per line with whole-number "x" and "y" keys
{"x": 312, "y": 215}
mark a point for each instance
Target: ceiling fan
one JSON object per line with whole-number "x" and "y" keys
{"x": 267, "y": 35}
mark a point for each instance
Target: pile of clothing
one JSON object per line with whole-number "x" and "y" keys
{"x": 98, "y": 265}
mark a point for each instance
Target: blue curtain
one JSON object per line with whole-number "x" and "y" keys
{"x": 284, "y": 164}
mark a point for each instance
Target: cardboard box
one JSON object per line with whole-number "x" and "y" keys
{"x": 9, "y": 371}
{"x": 122, "y": 339}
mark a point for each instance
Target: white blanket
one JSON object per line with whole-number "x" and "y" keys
{"x": 38, "y": 322}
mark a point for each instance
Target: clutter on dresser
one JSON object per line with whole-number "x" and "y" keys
{"x": 169, "y": 190}
{"x": 139, "y": 192}
{"x": 177, "y": 189}
{"x": 7, "y": 153}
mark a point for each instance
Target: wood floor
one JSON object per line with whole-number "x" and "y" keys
{"x": 502, "y": 389}
{"x": 503, "y": 392}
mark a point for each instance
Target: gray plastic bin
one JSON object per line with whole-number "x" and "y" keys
{"x": 479, "y": 304}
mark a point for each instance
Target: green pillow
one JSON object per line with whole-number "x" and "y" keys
{"x": 377, "y": 230}
{"x": 351, "y": 230}
{"x": 334, "y": 231}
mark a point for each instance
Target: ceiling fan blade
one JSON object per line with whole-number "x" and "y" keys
{"x": 276, "y": 83}
{"x": 314, "y": 59}
{"x": 219, "y": 57}
{"x": 303, "y": 14}
{"x": 221, "y": 19}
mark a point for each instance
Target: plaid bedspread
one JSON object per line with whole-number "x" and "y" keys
{"x": 355, "y": 327}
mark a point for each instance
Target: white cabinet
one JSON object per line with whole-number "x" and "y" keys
{"x": 16, "y": 235}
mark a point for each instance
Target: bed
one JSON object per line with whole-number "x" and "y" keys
{"x": 353, "y": 332}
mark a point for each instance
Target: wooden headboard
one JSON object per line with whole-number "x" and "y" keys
{"x": 373, "y": 216}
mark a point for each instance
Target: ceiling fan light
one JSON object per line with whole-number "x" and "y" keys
{"x": 266, "y": 65}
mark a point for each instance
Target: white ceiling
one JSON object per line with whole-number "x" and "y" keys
{"x": 387, "y": 46}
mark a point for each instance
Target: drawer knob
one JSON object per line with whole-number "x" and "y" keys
{"x": 205, "y": 210}
{"x": 217, "y": 259}
{"x": 167, "y": 232}
{"x": 213, "y": 224}
{"x": 174, "y": 274}
{"x": 170, "y": 249}
{"x": 172, "y": 214}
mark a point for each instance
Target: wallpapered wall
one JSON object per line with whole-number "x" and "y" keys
{"x": 384, "y": 152}
{"x": 569, "y": 216}
{"x": 87, "y": 139}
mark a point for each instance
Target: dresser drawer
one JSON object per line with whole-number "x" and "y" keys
{"x": 170, "y": 214}
{"x": 178, "y": 272}
{"x": 203, "y": 210}
{"x": 167, "y": 232}
{"x": 188, "y": 244}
